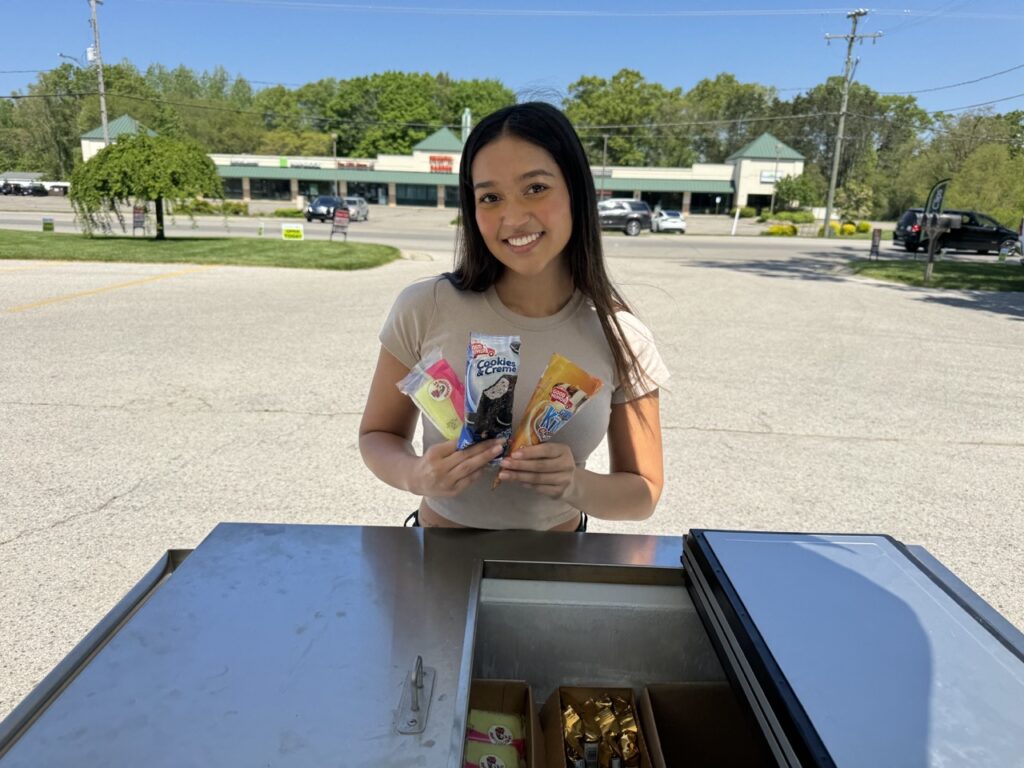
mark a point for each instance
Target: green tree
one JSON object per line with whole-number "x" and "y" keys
{"x": 724, "y": 113}
{"x": 285, "y": 142}
{"x": 137, "y": 169}
{"x": 630, "y": 114}
{"x": 855, "y": 199}
{"x": 991, "y": 180}
{"x": 800, "y": 191}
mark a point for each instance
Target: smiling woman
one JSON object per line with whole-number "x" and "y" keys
{"x": 529, "y": 265}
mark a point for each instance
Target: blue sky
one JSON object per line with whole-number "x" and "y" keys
{"x": 540, "y": 46}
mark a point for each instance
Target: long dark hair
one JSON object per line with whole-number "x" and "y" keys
{"x": 476, "y": 269}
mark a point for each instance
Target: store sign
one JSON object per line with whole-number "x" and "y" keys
{"x": 769, "y": 177}
{"x": 340, "y": 225}
{"x": 300, "y": 164}
{"x": 357, "y": 166}
{"x": 244, "y": 162}
{"x": 441, "y": 163}
{"x": 292, "y": 232}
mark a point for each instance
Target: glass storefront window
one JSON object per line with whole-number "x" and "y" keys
{"x": 270, "y": 189}
{"x": 416, "y": 194}
{"x": 451, "y": 197}
{"x": 232, "y": 189}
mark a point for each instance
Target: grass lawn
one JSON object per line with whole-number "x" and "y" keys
{"x": 960, "y": 275}
{"x": 248, "y": 252}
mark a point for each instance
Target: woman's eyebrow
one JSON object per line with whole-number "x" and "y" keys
{"x": 528, "y": 175}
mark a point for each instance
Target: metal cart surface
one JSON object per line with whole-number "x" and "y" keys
{"x": 287, "y": 645}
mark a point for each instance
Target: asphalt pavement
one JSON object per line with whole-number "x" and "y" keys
{"x": 143, "y": 404}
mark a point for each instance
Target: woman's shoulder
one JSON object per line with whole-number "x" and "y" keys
{"x": 426, "y": 292}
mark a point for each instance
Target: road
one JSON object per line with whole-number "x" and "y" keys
{"x": 142, "y": 404}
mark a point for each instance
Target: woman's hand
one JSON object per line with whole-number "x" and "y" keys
{"x": 548, "y": 468}
{"x": 443, "y": 471}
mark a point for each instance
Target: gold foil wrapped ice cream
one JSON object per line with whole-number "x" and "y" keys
{"x": 605, "y": 723}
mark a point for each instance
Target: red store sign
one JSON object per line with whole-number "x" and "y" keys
{"x": 441, "y": 163}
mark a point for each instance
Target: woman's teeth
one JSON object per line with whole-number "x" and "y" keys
{"x": 519, "y": 242}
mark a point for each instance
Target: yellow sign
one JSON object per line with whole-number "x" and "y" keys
{"x": 292, "y": 232}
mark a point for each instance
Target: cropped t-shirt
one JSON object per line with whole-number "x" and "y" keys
{"x": 434, "y": 314}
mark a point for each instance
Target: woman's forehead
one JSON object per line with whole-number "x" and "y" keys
{"x": 509, "y": 158}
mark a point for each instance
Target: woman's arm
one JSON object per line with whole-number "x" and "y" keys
{"x": 386, "y": 430}
{"x": 629, "y": 492}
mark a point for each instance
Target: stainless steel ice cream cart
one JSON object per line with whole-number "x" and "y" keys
{"x": 285, "y": 645}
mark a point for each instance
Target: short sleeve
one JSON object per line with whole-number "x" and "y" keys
{"x": 655, "y": 373}
{"x": 407, "y": 324}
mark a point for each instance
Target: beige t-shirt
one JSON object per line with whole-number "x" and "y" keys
{"x": 433, "y": 314}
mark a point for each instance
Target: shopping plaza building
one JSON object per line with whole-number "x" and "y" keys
{"x": 429, "y": 176}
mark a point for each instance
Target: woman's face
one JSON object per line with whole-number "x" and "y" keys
{"x": 522, "y": 206}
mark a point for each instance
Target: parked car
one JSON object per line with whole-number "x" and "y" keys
{"x": 668, "y": 221}
{"x": 977, "y": 232}
{"x": 358, "y": 208}
{"x": 34, "y": 190}
{"x": 323, "y": 208}
{"x": 10, "y": 188}
{"x": 631, "y": 216}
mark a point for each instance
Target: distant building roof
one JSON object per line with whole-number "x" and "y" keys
{"x": 765, "y": 147}
{"x": 119, "y": 127}
{"x": 440, "y": 141}
{"x": 20, "y": 176}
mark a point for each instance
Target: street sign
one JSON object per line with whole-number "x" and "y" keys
{"x": 292, "y": 232}
{"x": 340, "y": 223}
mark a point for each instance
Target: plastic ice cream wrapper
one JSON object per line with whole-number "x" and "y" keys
{"x": 492, "y": 368}
{"x": 563, "y": 389}
{"x": 436, "y": 390}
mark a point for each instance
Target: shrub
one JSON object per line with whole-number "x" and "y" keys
{"x": 197, "y": 207}
{"x": 764, "y": 217}
{"x": 234, "y": 208}
{"x": 746, "y": 212}
{"x": 833, "y": 225}
{"x": 289, "y": 213}
{"x": 863, "y": 226}
{"x": 781, "y": 230}
{"x": 848, "y": 228}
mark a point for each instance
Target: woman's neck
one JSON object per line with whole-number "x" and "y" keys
{"x": 537, "y": 295}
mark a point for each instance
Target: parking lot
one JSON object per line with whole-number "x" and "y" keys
{"x": 143, "y": 404}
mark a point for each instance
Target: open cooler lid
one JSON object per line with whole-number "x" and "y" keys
{"x": 852, "y": 652}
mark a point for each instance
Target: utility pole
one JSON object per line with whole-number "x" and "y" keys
{"x": 850, "y": 39}
{"x": 99, "y": 71}
{"x": 604, "y": 164}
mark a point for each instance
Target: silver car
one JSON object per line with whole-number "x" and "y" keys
{"x": 358, "y": 208}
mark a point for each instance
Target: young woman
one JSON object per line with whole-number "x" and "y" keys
{"x": 529, "y": 263}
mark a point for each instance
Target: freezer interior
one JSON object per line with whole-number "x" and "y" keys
{"x": 615, "y": 626}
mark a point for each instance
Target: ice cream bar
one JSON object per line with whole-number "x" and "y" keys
{"x": 492, "y": 368}
{"x": 562, "y": 390}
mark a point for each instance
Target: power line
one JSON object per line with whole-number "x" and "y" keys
{"x": 952, "y": 85}
{"x": 446, "y": 11}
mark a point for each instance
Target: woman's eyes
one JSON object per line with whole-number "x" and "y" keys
{"x": 533, "y": 189}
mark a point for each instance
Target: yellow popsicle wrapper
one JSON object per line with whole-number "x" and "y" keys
{"x": 562, "y": 390}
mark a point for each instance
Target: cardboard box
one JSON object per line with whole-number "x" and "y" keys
{"x": 511, "y": 696}
{"x": 551, "y": 721}
{"x": 700, "y": 724}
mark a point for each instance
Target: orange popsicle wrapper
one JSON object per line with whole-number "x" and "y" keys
{"x": 562, "y": 390}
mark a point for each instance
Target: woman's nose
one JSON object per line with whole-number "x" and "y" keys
{"x": 515, "y": 214}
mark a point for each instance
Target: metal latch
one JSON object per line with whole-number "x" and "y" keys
{"x": 411, "y": 715}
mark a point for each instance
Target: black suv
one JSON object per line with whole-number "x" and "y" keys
{"x": 323, "y": 208}
{"x": 631, "y": 216}
{"x": 977, "y": 232}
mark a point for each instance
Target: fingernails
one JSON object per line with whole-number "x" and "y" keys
{"x": 517, "y": 455}
{"x": 497, "y": 448}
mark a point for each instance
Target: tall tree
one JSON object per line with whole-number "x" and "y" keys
{"x": 627, "y": 112}
{"x": 725, "y": 115}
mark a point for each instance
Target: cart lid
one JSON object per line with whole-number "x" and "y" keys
{"x": 852, "y": 653}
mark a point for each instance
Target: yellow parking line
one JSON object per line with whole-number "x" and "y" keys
{"x": 129, "y": 284}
